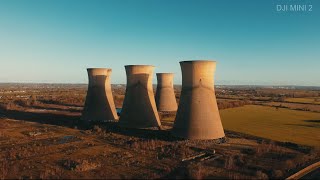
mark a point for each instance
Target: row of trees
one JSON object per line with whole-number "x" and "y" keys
{"x": 225, "y": 104}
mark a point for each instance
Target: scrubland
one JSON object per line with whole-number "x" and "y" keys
{"x": 41, "y": 136}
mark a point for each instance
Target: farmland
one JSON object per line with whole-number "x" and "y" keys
{"x": 274, "y": 123}
{"x": 280, "y": 124}
{"x": 306, "y": 100}
{"x": 42, "y": 136}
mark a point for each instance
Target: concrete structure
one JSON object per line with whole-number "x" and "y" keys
{"x": 165, "y": 97}
{"x": 139, "y": 107}
{"x": 99, "y": 104}
{"x": 198, "y": 115}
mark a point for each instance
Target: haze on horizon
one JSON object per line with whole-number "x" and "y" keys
{"x": 54, "y": 41}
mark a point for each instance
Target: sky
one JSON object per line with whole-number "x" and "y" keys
{"x": 54, "y": 41}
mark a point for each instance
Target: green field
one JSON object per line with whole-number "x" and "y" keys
{"x": 278, "y": 124}
{"x": 311, "y": 100}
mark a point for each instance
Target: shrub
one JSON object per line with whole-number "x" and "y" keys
{"x": 196, "y": 172}
{"x": 261, "y": 175}
{"x": 96, "y": 129}
{"x": 289, "y": 164}
{"x": 277, "y": 174}
{"x": 248, "y": 151}
{"x": 230, "y": 163}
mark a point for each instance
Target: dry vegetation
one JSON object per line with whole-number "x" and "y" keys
{"x": 41, "y": 137}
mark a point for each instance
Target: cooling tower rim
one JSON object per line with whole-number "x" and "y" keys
{"x": 164, "y": 73}
{"x": 108, "y": 69}
{"x": 139, "y": 65}
{"x": 195, "y": 61}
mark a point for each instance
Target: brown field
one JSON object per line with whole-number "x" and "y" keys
{"x": 41, "y": 137}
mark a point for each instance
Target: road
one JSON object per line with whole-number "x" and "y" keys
{"x": 313, "y": 175}
{"x": 310, "y": 172}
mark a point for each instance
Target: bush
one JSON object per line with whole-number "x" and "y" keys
{"x": 96, "y": 129}
{"x": 277, "y": 174}
{"x": 297, "y": 147}
{"x": 289, "y": 164}
{"x": 230, "y": 163}
{"x": 196, "y": 172}
{"x": 248, "y": 151}
{"x": 261, "y": 175}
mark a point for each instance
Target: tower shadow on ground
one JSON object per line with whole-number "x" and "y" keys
{"x": 72, "y": 121}
{"x": 145, "y": 133}
{"x": 42, "y": 118}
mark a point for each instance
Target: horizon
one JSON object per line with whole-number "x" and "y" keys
{"x": 255, "y": 85}
{"x": 253, "y": 44}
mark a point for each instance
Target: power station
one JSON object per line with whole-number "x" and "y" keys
{"x": 99, "y": 104}
{"x": 165, "y": 97}
{"x": 139, "y": 107}
{"x": 198, "y": 115}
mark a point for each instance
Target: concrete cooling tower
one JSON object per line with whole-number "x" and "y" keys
{"x": 198, "y": 115}
{"x": 165, "y": 97}
{"x": 139, "y": 107}
{"x": 99, "y": 104}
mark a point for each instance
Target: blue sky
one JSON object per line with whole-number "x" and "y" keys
{"x": 54, "y": 41}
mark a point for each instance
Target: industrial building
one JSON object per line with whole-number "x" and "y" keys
{"x": 165, "y": 97}
{"x": 99, "y": 103}
{"x": 139, "y": 107}
{"x": 198, "y": 115}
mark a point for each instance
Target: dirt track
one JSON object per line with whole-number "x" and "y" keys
{"x": 305, "y": 171}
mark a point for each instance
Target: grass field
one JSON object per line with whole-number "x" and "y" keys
{"x": 278, "y": 124}
{"x": 311, "y": 100}
{"x": 295, "y": 106}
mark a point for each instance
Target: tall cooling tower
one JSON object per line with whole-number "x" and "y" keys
{"x": 99, "y": 104}
{"x": 139, "y": 107}
{"x": 165, "y": 97}
{"x": 198, "y": 115}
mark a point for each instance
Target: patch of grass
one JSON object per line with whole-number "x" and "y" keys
{"x": 278, "y": 124}
{"x": 311, "y": 100}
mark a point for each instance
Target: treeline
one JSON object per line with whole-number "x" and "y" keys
{"x": 58, "y": 99}
{"x": 286, "y": 93}
{"x": 225, "y": 104}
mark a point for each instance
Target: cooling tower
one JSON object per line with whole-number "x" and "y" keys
{"x": 139, "y": 107}
{"x": 165, "y": 97}
{"x": 99, "y": 104}
{"x": 198, "y": 115}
